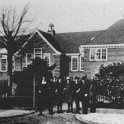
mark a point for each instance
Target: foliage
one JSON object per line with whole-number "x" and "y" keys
{"x": 37, "y": 69}
{"x": 112, "y": 71}
{"x": 110, "y": 81}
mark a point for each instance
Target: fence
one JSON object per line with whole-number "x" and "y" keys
{"x": 110, "y": 93}
{"x": 22, "y": 94}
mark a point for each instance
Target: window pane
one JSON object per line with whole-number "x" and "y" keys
{"x": 98, "y": 54}
{"x": 81, "y": 62}
{"x": 103, "y": 53}
{"x": 74, "y": 63}
{"x": 92, "y": 54}
{"x": 3, "y": 64}
{"x": 38, "y": 52}
{"x": 29, "y": 58}
{"x": 47, "y": 60}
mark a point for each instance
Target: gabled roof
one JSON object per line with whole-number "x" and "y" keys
{"x": 113, "y": 35}
{"x": 51, "y": 40}
{"x": 70, "y": 42}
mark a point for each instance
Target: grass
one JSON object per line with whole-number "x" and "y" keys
{"x": 65, "y": 118}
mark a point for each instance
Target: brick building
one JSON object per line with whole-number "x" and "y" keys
{"x": 76, "y": 53}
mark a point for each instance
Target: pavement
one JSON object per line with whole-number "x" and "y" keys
{"x": 101, "y": 118}
{"x": 4, "y": 113}
{"x": 8, "y": 113}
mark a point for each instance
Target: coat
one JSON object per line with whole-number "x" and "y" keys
{"x": 68, "y": 91}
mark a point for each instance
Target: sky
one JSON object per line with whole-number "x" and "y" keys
{"x": 71, "y": 15}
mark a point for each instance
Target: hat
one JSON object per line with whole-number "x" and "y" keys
{"x": 67, "y": 78}
{"x": 83, "y": 78}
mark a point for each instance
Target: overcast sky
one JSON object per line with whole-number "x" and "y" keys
{"x": 72, "y": 15}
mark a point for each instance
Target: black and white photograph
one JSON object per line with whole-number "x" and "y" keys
{"x": 61, "y": 62}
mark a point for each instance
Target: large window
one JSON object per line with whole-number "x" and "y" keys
{"x": 38, "y": 52}
{"x": 74, "y": 63}
{"x": 46, "y": 57}
{"x": 29, "y": 58}
{"x": 3, "y": 63}
{"x": 98, "y": 54}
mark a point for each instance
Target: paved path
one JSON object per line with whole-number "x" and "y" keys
{"x": 14, "y": 112}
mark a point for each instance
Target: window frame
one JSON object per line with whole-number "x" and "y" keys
{"x": 45, "y": 55}
{"x": 72, "y": 63}
{"x": 27, "y": 58}
{"x": 81, "y": 64}
{"x": 95, "y": 54}
{"x": 5, "y": 57}
{"x": 39, "y": 53}
{"x": 13, "y": 60}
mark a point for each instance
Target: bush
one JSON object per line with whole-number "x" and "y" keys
{"x": 110, "y": 82}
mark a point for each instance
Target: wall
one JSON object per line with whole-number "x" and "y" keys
{"x": 114, "y": 55}
{"x": 45, "y": 49}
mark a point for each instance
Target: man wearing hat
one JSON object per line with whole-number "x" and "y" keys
{"x": 68, "y": 94}
{"x": 84, "y": 94}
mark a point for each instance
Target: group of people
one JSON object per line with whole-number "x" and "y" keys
{"x": 56, "y": 91}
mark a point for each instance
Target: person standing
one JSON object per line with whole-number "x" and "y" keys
{"x": 84, "y": 94}
{"x": 42, "y": 95}
{"x": 76, "y": 94}
{"x": 51, "y": 94}
{"x": 93, "y": 93}
{"x": 60, "y": 94}
{"x": 68, "y": 90}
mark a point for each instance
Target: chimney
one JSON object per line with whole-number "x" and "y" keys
{"x": 51, "y": 30}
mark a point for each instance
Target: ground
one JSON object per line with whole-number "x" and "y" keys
{"x": 64, "y": 118}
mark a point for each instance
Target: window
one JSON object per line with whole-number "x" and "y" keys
{"x": 13, "y": 63}
{"x": 46, "y": 57}
{"x": 92, "y": 54}
{"x": 81, "y": 62}
{"x": 38, "y": 52}
{"x": 104, "y": 54}
{"x": 29, "y": 58}
{"x": 82, "y": 52}
{"x": 3, "y": 63}
{"x": 74, "y": 63}
{"x": 98, "y": 54}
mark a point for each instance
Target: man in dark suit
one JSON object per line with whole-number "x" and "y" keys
{"x": 76, "y": 94}
{"x": 42, "y": 93}
{"x": 60, "y": 94}
{"x": 68, "y": 90}
{"x": 84, "y": 94}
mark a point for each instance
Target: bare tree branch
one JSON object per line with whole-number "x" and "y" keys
{"x": 24, "y": 12}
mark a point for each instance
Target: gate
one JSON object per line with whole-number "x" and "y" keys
{"x": 23, "y": 91}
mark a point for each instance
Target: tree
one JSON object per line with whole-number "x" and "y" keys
{"x": 37, "y": 69}
{"x": 13, "y": 28}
